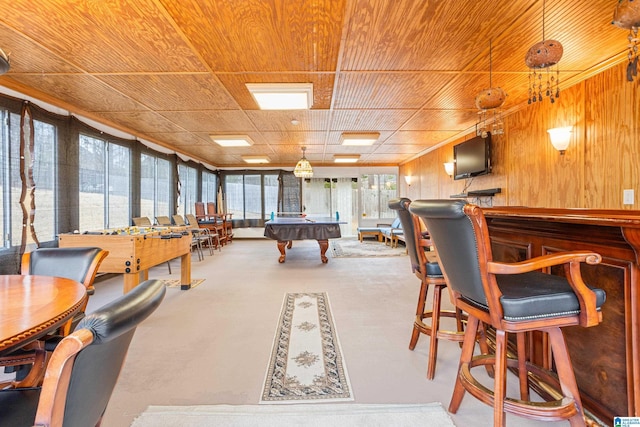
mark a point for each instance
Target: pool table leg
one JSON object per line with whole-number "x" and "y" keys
{"x": 281, "y": 246}
{"x": 324, "y": 245}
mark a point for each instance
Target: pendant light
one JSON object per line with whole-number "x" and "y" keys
{"x": 303, "y": 168}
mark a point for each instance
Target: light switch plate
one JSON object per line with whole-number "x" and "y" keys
{"x": 627, "y": 197}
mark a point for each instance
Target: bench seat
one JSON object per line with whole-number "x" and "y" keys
{"x": 369, "y": 231}
{"x": 391, "y": 235}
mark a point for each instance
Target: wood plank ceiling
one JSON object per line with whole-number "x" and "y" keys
{"x": 172, "y": 72}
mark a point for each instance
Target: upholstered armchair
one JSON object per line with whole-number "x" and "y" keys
{"x": 84, "y": 367}
{"x": 79, "y": 264}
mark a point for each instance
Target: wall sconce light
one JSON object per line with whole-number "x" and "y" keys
{"x": 448, "y": 168}
{"x": 407, "y": 179}
{"x": 560, "y": 138}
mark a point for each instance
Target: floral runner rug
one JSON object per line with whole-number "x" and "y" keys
{"x": 353, "y": 248}
{"x": 306, "y": 362}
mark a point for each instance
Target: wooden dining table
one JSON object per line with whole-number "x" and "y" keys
{"x": 33, "y": 306}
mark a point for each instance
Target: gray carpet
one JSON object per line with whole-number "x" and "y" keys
{"x": 210, "y": 345}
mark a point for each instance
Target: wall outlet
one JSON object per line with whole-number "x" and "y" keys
{"x": 627, "y": 197}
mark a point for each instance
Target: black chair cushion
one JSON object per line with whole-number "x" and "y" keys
{"x": 18, "y": 407}
{"x": 433, "y": 269}
{"x": 534, "y": 295}
{"x": 72, "y": 263}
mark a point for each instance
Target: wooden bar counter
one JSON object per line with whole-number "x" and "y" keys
{"x": 606, "y": 358}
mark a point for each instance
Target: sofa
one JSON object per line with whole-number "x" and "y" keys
{"x": 392, "y": 234}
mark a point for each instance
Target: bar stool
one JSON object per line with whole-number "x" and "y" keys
{"x": 511, "y": 298}
{"x": 430, "y": 275}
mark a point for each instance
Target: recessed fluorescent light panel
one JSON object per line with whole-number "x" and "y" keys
{"x": 343, "y": 158}
{"x": 232, "y": 140}
{"x": 282, "y": 96}
{"x": 360, "y": 138}
{"x": 256, "y": 159}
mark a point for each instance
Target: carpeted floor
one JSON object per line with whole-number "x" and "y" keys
{"x": 325, "y": 415}
{"x": 210, "y": 345}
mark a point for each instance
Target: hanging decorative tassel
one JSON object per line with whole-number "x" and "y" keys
{"x": 627, "y": 16}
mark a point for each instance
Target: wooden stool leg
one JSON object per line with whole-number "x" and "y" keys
{"x": 435, "y": 326}
{"x": 465, "y": 357}
{"x": 566, "y": 375}
{"x": 522, "y": 366}
{"x": 500, "y": 381}
{"x": 422, "y": 298}
{"x": 484, "y": 348}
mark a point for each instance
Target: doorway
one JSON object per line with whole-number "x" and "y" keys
{"x": 324, "y": 197}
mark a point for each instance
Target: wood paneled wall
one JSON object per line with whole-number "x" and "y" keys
{"x": 602, "y": 160}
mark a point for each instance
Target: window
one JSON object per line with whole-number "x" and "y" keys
{"x": 164, "y": 188}
{"x": 209, "y": 187}
{"x": 92, "y": 179}
{"x": 252, "y": 195}
{"x": 155, "y": 186}
{"x": 323, "y": 197}
{"x": 44, "y": 177}
{"x": 376, "y": 191}
{"x": 43, "y": 171}
{"x": 105, "y": 184}
{"x": 234, "y": 192}
{"x": 270, "y": 195}
{"x": 119, "y": 180}
{"x": 188, "y": 189}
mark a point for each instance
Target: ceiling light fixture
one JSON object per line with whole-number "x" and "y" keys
{"x": 627, "y": 16}
{"x": 303, "y": 169}
{"x": 359, "y": 138}
{"x": 346, "y": 158}
{"x": 256, "y": 159}
{"x": 489, "y": 101}
{"x": 282, "y": 96}
{"x": 542, "y": 56}
{"x": 232, "y": 140}
{"x": 5, "y": 64}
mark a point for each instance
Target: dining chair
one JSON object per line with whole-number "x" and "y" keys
{"x": 163, "y": 221}
{"x": 512, "y": 298}
{"x": 142, "y": 221}
{"x": 200, "y": 211}
{"x": 211, "y": 233}
{"x": 84, "y": 367}
{"x": 224, "y": 218}
{"x": 79, "y": 264}
{"x": 426, "y": 268}
{"x": 199, "y": 236}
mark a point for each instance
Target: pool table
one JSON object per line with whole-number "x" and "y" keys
{"x": 287, "y": 229}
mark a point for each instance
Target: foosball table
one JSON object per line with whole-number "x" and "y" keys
{"x": 134, "y": 250}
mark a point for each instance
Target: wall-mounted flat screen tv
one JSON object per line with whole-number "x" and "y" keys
{"x": 472, "y": 157}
